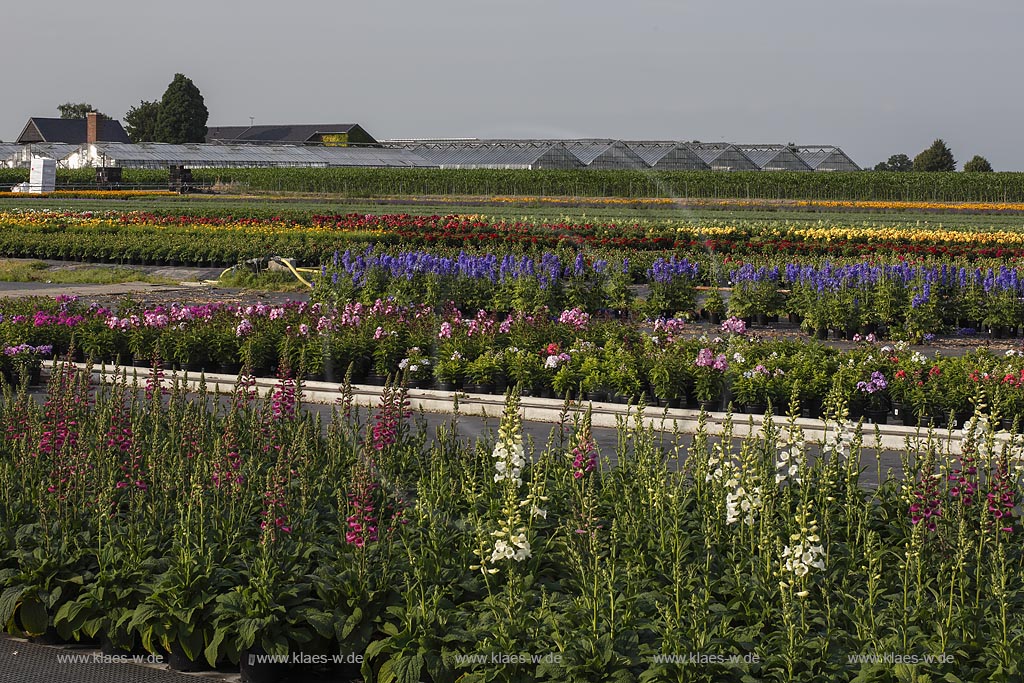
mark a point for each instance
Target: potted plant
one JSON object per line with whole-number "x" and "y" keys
{"x": 449, "y": 371}
{"x": 708, "y": 377}
{"x": 26, "y": 361}
{"x": 750, "y": 387}
{"x": 481, "y": 373}
{"x": 266, "y": 614}
{"x": 593, "y": 382}
{"x": 525, "y": 369}
{"x": 714, "y": 306}
{"x": 873, "y": 392}
{"x": 417, "y": 368}
{"x": 623, "y": 374}
{"x": 388, "y": 349}
{"x": 668, "y": 376}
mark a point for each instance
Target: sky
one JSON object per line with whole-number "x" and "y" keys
{"x": 875, "y": 77}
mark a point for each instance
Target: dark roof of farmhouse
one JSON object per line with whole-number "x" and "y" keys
{"x": 280, "y": 134}
{"x": 71, "y": 131}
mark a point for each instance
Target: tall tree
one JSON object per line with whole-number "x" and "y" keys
{"x": 141, "y": 121}
{"x": 938, "y": 157}
{"x": 183, "y": 115}
{"x": 897, "y": 162}
{"x": 978, "y": 164}
{"x": 76, "y": 110}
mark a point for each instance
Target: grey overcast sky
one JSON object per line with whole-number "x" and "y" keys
{"x": 875, "y": 77}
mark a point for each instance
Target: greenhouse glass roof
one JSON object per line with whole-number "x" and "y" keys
{"x": 605, "y": 154}
{"x": 526, "y": 154}
{"x": 22, "y": 154}
{"x": 217, "y": 156}
{"x": 774, "y": 157}
{"x": 668, "y": 156}
{"x": 723, "y": 156}
{"x": 7, "y": 153}
{"x": 826, "y": 158}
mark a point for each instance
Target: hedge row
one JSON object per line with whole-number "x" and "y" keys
{"x": 365, "y": 182}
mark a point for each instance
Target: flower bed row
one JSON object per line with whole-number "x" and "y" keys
{"x": 905, "y": 300}
{"x": 569, "y": 353}
{"x": 141, "y": 236}
{"x": 215, "y": 533}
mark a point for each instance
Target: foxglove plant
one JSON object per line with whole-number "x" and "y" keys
{"x": 511, "y": 540}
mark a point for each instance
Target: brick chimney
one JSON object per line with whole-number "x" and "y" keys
{"x": 93, "y": 123}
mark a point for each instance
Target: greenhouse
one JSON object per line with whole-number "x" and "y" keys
{"x": 530, "y": 154}
{"x": 7, "y": 153}
{"x": 607, "y": 155}
{"x": 161, "y": 155}
{"x": 668, "y": 156}
{"x": 723, "y": 156}
{"x": 774, "y": 157}
{"x": 523, "y": 154}
{"x": 20, "y": 156}
{"x": 826, "y": 158}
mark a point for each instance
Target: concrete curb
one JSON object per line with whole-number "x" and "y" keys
{"x": 534, "y": 409}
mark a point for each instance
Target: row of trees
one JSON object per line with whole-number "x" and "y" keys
{"x": 179, "y": 116}
{"x": 938, "y": 157}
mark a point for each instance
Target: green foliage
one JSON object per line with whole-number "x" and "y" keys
{"x": 937, "y": 158}
{"x": 839, "y": 185}
{"x": 141, "y": 121}
{"x": 76, "y": 110}
{"x": 978, "y": 164}
{"x": 898, "y": 163}
{"x": 183, "y": 114}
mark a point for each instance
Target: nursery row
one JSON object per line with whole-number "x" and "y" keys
{"x": 370, "y": 182}
{"x": 569, "y": 353}
{"x": 906, "y": 300}
{"x": 147, "y": 237}
{"x": 139, "y": 517}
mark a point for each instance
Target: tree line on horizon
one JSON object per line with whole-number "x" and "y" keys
{"x": 178, "y": 117}
{"x": 937, "y": 158}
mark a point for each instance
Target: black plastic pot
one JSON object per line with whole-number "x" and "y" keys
{"x": 179, "y": 661}
{"x": 811, "y": 410}
{"x": 229, "y": 368}
{"x": 877, "y": 416}
{"x": 255, "y": 671}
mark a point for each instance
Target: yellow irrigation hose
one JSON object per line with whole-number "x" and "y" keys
{"x": 293, "y": 269}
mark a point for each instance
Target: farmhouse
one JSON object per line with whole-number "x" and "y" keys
{"x": 94, "y": 128}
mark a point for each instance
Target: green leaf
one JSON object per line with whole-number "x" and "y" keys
{"x": 33, "y": 616}
{"x": 323, "y": 623}
{"x": 212, "y": 650}
{"x": 9, "y": 603}
{"x": 350, "y": 623}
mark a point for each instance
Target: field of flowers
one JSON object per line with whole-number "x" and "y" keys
{"x": 146, "y": 237}
{"x": 663, "y": 360}
{"x": 140, "y": 517}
